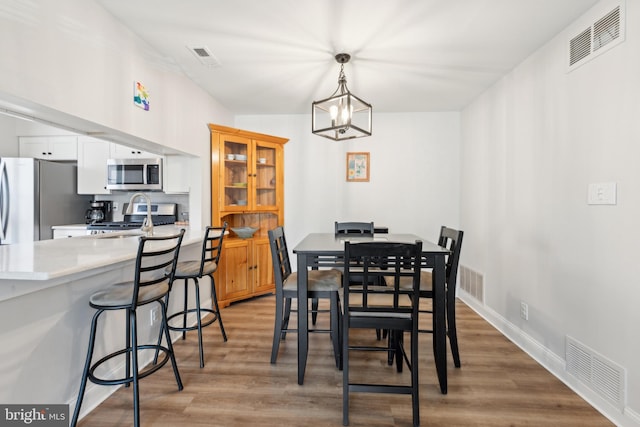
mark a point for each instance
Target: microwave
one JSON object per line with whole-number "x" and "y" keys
{"x": 134, "y": 174}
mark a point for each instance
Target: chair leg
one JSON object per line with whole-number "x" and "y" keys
{"x": 287, "y": 315}
{"x": 165, "y": 327}
{"x": 277, "y": 329}
{"x": 398, "y": 338}
{"x": 160, "y": 333}
{"x": 134, "y": 365}
{"x": 184, "y": 313}
{"x": 87, "y": 365}
{"x": 216, "y": 308}
{"x": 199, "y": 321}
{"x": 415, "y": 384}
{"x": 451, "y": 330}
{"x": 128, "y": 346}
{"x": 345, "y": 371}
{"x": 335, "y": 326}
{"x": 314, "y": 310}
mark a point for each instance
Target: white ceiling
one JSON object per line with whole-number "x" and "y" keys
{"x": 277, "y": 56}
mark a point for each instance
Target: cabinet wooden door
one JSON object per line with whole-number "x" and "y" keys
{"x": 235, "y": 173}
{"x": 266, "y": 176}
{"x": 234, "y": 279}
{"x": 263, "y": 270}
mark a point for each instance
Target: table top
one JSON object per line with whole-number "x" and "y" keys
{"x": 333, "y": 244}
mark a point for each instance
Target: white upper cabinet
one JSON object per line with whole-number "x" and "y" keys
{"x": 61, "y": 147}
{"x": 92, "y": 165}
{"x": 176, "y": 174}
{"x": 123, "y": 152}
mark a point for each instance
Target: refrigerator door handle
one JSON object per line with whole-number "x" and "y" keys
{"x": 4, "y": 200}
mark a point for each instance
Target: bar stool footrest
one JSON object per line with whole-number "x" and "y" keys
{"x": 194, "y": 327}
{"x": 129, "y": 379}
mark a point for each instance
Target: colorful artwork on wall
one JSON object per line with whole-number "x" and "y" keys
{"x": 141, "y": 96}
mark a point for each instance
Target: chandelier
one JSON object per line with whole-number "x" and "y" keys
{"x": 343, "y": 115}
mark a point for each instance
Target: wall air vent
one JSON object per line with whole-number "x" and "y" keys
{"x": 580, "y": 46}
{"x": 472, "y": 282}
{"x": 606, "y": 31}
{"x": 204, "y": 55}
{"x": 603, "y": 376}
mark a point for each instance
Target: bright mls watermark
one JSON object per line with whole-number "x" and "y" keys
{"x": 34, "y": 415}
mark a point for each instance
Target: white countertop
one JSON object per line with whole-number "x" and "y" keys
{"x": 54, "y": 259}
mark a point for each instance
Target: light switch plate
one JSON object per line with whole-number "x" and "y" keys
{"x": 603, "y": 193}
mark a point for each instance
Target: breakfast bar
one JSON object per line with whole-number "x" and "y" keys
{"x": 45, "y": 315}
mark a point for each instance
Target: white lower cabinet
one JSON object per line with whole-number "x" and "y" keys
{"x": 65, "y": 231}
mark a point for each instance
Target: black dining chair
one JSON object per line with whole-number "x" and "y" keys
{"x": 153, "y": 276}
{"x": 451, "y": 239}
{"x": 321, "y": 284}
{"x": 393, "y": 308}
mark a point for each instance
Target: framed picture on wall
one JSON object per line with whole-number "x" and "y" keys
{"x": 357, "y": 167}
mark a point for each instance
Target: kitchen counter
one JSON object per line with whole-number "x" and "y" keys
{"x": 45, "y": 315}
{"x": 52, "y": 259}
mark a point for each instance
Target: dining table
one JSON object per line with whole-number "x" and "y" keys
{"x": 326, "y": 250}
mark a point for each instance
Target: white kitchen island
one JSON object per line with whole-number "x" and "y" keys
{"x": 45, "y": 314}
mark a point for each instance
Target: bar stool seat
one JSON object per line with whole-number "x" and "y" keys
{"x": 195, "y": 270}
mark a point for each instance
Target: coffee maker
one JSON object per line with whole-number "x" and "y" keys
{"x": 99, "y": 211}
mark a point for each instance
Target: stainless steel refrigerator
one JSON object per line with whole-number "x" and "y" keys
{"x": 35, "y": 195}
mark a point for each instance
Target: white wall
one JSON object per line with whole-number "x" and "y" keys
{"x": 70, "y": 62}
{"x": 414, "y": 177}
{"x": 530, "y": 147}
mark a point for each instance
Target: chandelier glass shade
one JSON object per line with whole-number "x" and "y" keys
{"x": 343, "y": 115}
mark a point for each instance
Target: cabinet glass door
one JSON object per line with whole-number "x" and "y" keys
{"x": 236, "y": 173}
{"x": 266, "y": 186}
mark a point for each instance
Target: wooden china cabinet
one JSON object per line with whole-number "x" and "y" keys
{"x": 247, "y": 186}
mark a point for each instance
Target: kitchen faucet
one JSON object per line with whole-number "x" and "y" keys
{"x": 147, "y": 224}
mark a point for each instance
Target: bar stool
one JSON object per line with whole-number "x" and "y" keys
{"x": 194, "y": 270}
{"x": 154, "y": 273}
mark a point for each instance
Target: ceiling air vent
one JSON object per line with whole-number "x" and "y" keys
{"x": 204, "y": 55}
{"x": 607, "y": 30}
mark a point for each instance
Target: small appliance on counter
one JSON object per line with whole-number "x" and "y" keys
{"x": 161, "y": 214}
{"x": 99, "y": 211}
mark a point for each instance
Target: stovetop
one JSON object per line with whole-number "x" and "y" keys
{"x": 162, "y": 214}
{"x": 124, "y": 225}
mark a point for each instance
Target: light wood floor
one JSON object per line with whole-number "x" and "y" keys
{"x": 498, "y": 385}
